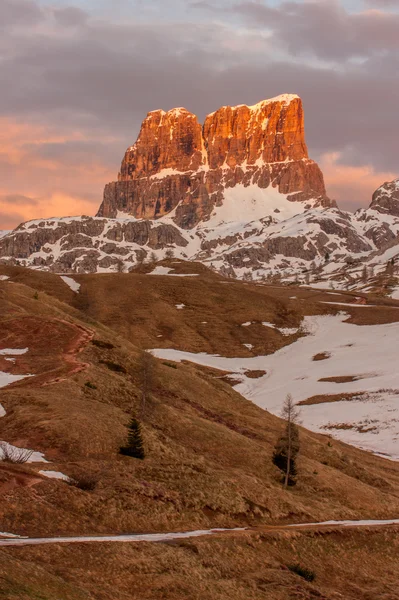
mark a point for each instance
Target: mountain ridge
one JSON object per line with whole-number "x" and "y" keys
{"x": 209, "y": 194}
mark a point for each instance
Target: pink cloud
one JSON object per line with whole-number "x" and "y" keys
{"x": 45, "y": 173}
{"x": 351, "y": 186}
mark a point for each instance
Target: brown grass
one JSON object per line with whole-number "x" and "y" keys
{"x": 208, "y": 456}
{"x": 321, "y": 399}
{"x": 343, "y": 378}
{"x": 321, "y": 356}
{"x": 355, "y": 565}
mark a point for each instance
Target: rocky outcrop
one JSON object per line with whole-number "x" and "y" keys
{"x": 177, "y": 164}
{"x": 86, "y": 244}
{"x": 386, "y": 198}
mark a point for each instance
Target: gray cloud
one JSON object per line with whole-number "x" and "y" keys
{"x": 18, "y": 199}
{"x": 324, "y": 29}
{"x": 19, "y": 12}
{"x": 101, "y": 78}
{"x": 70, "y": 16}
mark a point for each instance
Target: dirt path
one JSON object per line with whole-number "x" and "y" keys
{"x": 70, "y": 356}
{"x": 167, "y": 537}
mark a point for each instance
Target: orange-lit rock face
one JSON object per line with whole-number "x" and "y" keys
{"x": 176, "y": 163}
{"x": 268, "y": 132}
{"x": 171, "y": 140}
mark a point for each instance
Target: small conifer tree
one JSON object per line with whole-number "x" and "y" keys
{"x": 135, "y": 446}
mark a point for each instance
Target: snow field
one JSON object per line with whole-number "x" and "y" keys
{"x": 367, "y": 353}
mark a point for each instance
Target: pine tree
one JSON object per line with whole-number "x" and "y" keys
{"x": 135, "y": 446}
{"x": 153, "y": 258}
{"x": 287, "y": 446}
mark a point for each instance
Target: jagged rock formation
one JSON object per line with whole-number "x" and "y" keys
{"x": 239, "y": 194}
{"x": 177, "y": 164}
{"x": 386, "y": 198}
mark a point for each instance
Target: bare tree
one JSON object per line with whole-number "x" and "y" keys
{"x": 287, "y": 446}
{"x": 169, "y": 253}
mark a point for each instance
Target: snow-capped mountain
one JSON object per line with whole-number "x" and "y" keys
{"x": 239, "y": 193}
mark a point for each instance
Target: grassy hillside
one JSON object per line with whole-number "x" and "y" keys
{"x": 208, "y": 450}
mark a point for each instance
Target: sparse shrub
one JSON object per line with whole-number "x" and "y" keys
{"x": 90, "y": 385}
{"x": 171, "y": 365}
{"x": 85, "y": 481}
{"x": 135, "y": 446}
{"x": 11, "y": 454}
{"x": 101, "y": 344}
{"x": 36, "y": 296}
{"x": 113, "y": 366}
{"x": 307, "y": 574}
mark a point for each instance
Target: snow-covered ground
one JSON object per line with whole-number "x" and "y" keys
{"x": 366, "y": 353}
{"x": 135, "y": 537}
{"x": 74, "y": 285}
{"x": 168, "y": 272}
{"x": 30, "y": 455}
{"x": 7, "y": 378}
{"x": 364, "y": 523}
{"x": 55, "y": 475}
{"x": 14, "y": 540}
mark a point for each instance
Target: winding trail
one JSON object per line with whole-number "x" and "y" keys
{"x": 70, "y": 355}
{"x": 167, "y": 537}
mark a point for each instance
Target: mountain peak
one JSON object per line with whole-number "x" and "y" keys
{"x": 176, "y": 163}
{"x": 386, "y": 198}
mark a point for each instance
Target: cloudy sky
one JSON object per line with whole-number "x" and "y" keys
{"x": 78, "y": 76}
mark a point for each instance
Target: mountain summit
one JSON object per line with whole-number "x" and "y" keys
{"x": 177, "y": 164}
{"x": 239, "y": 194}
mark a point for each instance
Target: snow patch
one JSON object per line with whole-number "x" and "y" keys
{"x": 74, "y": 285}
{"x": 34, "y": 457}
{"x": 168, "y": 272}
{"x": 55, "y": 475}
{"x": 13, "y": 351}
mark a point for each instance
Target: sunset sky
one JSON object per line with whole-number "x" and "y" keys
{"x": 78, "y": 77}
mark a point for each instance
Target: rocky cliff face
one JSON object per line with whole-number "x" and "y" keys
{"x": 177, "y": 164}
{"x": 239, "y": 194}
{"x": 386, "y": 198}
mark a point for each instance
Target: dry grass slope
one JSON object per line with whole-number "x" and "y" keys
{"x": 208, "y": 451}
